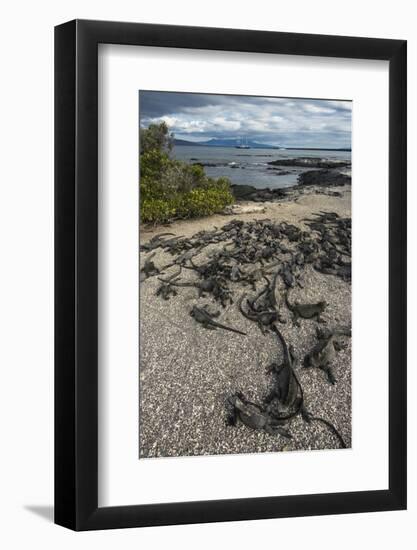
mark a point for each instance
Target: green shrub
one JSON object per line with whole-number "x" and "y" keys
{"x": 156, "y": 137}
{"x": 155, "y": 210}
{"x": 204, "y": 202}
{"x": 170, "y": 189}
{"x": 196, "y": 203}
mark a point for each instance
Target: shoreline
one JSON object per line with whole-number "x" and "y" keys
{"x": 296, "y": 203}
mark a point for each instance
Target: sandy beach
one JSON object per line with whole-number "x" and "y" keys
{"x": 298, "y": 204}
{"x": 187, "y": 372}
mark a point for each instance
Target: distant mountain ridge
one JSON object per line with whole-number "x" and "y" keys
{"x": 217, "y": 142}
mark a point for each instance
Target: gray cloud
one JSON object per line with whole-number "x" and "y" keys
{"x": 277, "y": 121}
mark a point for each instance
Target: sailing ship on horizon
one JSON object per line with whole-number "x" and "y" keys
{"x": 243, "y": 145}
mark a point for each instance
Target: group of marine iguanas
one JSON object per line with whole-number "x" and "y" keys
{"x": 249, "y": 253}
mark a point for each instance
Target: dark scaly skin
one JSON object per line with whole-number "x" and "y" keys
{"x": 306, "y": 311}
{"x": 323, "y": 353}
{"x": 235, "y": 274}
{"x": 204, "y": 318}
{"x": 149, "y": 268}
{"x": 263, "y": 309}
{"x": 326, "y": 247}
{"x": 266, "y": 299}
{"x": 260, "y": 418}
{"x": 322, "y": 356}
{"x": 288, "y": 386}
{"x": 252, "y": 277}
{"x": 258, "y": 303}
{"x": 211, "y": 285}
{"x": 293, "y": 395}
{"x": 169, "y": 244}
{"x": 172, "y": 277}
{"x": 253, "y": 416}
{"x": 206, "y": 285}
{"x": 155, "y": 242}
{"x": 166, "y": 290}
{"x": 182, "y": 259}
{"x": 264, "y": 319}
{"x": 308, "y": 417}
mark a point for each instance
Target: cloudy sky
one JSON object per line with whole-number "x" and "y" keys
{"x": 286, "y": 122}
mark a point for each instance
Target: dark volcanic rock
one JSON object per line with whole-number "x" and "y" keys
{"x": 210, "y": 164}
{"x": 242, "y": 191}
{"x": 278, "y": 171}
{"x": 328, "y": 193}
{"x": 324, "y": 177}
{"x": 310, "y": 162}
{"x": 248, "y": 192}
{"x": 283, "y": 172}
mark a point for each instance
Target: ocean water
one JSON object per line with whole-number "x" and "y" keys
{"x": 250, "y": 166}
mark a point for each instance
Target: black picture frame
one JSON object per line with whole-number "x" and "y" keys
{"x": 76, "y": 272}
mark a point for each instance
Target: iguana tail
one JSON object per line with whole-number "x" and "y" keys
{"x": 224, "y": 327}
{"x": 242, "y": 311}
{"x": 193, "y": 266}
{"x": 281, "y": 338}
{"x": 274, "y": 286}
{"x": 331, "y": 428}
{"x": 156, "y": 237}
{"x": 170, "y": 277}
{"x": 287, "y": 301}
{"x": 261, "y": 293}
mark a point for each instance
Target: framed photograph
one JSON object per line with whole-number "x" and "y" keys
{"x": 230, "y": 255}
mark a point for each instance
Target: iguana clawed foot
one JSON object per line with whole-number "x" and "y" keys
{"x": 324, "y": 352}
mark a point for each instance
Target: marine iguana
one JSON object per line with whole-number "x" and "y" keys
{"x": 343, "y": 271}
{"x": 182, "y": 259}
{"x": 287, "y": 385}
{"x": 294, "y": 394}
{"x": 264, "y": 319}
{"x": 265, "y": 253}
{"x": 253, "y": 416}
{"x": 235, "y": 274}
{"x": 252, "y": 277}
{"x": 166, "y": 290}
{"x": 176, "y": 245}
{"x": 202, "y": 316}
{"x": 286, "y": 273}
{"x": 266, "y": 298}
{"x": 306, "y": 311}
{"x": 155, "y": 242}
{"x": 321, "y": 357}
{"x": 325, "y": 332}
{"x": 212, "y": 285}
{"x": 324, "y": 352}
{"x": 149, "y": 268}
{"x": 322, "y": 218}
{"x": 206, "y": 285}
{"x": 171, "y": 277}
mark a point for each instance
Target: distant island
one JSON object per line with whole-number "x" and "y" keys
{"x": 229, "y": 142}
{"x": 215, "y": 142}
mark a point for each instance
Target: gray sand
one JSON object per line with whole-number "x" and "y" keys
{"x": 187, "y": 372}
